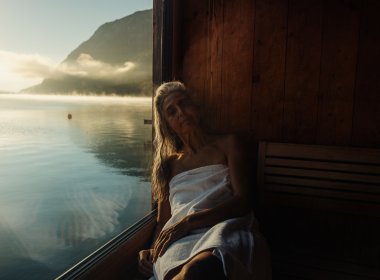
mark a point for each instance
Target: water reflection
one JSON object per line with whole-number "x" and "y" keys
{"x": 117, "y": 137}
{"x": 68, "y": 186}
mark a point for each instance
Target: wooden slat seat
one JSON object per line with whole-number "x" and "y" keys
{"x": 341, "y": 179}
{"x": 319, "y": 208}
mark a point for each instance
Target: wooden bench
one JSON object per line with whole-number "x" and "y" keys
{"x": 319, "y": 208}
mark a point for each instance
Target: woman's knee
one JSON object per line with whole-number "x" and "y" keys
{"x": 205, "y": 268}
{"x": 191, "y": 271}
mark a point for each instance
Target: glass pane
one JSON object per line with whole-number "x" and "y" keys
{"x": 75, "y": 89}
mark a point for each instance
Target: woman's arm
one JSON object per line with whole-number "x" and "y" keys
{"x": 146, "y": 256}
{"x": 237, "y": 205}
{"x": 163, "y": 215}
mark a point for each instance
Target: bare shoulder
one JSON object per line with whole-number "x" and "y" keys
{"x": 173, "y": 164}
{"x": 172, "y": 159}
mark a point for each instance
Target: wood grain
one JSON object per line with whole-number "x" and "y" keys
{"x": 267, "y": 108}
{"x": 366, "y": 117}
{"x": 237, "y": 66}
{"x": 302, "y": 71}
{"x": 214, "y": 64}
{"x": 338, "y": 69}
{"x": 194, "y": 52}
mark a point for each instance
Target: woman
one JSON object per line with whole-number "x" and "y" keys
{"x": 201, "y": 184}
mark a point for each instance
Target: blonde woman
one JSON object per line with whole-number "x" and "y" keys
{"x": 201, "y": 184}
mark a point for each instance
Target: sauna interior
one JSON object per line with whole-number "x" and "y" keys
{"x": 290, "y": 71}
{"x": 305, "y": 73}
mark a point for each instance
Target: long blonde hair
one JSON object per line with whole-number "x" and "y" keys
{"x": 166, "y": 143}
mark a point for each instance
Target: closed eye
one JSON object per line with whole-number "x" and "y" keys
{"x": 170, "y": 111}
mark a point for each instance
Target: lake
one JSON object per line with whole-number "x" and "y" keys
{"x": 69, "y": 183}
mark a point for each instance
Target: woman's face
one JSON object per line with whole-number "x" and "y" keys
{"x": 180, "y": 112}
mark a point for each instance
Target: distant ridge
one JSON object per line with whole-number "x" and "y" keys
{"x": 116, "y": 59}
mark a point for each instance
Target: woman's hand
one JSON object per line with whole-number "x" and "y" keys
{"x": 146, "y": 262}
{"x": 168, "y": 236}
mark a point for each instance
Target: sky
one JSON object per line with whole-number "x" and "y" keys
{"x": 36, "y": 35}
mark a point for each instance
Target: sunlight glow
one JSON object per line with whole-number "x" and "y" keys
{"x": 81, "y": 98}
{"x": 87, "y": 66}
{"x": 18, "y": 71}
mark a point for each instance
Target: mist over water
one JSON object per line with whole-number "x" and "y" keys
{"x": 68, "y": 185}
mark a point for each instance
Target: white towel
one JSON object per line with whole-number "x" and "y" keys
{"x": 231, "y": 240}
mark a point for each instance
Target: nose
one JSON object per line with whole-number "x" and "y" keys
{"x": 179, "y": 111}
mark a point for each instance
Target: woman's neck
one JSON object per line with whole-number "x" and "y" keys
{"x": 194, "y": 141}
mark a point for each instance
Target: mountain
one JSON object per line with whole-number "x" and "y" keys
{"x": 117, "y": 59}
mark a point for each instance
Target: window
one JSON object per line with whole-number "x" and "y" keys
{"x": 74, "y": 150}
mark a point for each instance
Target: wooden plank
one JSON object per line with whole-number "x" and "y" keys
{"x": 323, "y": 165}
{"x": 323, "y": 193}
{"x": 366, "y": 128}
{"x": 328, "y": 153}
{"x": 269, "y": 199}
{"x": 323, "y": 175}
{"x": 342, "y": 186}
{"x": 269, "y": 69}
{"x": 302, "y": 71}
{"x": 214, "y": 64}
{"x": 338, "y": 70}
{"x": 194, "y": 53}
{"x": 237, "y": 66}
{"x": 334, "y": 220}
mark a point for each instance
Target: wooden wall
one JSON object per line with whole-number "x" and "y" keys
{"x": 291, "y": 71}
{"x": 286, "y": 70}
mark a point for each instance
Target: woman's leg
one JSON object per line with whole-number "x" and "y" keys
{"x": 205, "y": 265}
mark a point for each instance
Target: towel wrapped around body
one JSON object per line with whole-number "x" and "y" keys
{"x": 231, "y": 240}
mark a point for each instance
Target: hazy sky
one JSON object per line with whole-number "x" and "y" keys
{"x": 36, "y": 35}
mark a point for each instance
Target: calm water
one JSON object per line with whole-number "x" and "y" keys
{"x": 68, "y": 186}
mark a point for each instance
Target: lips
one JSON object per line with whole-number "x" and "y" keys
{"x": 184, "y": 121}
